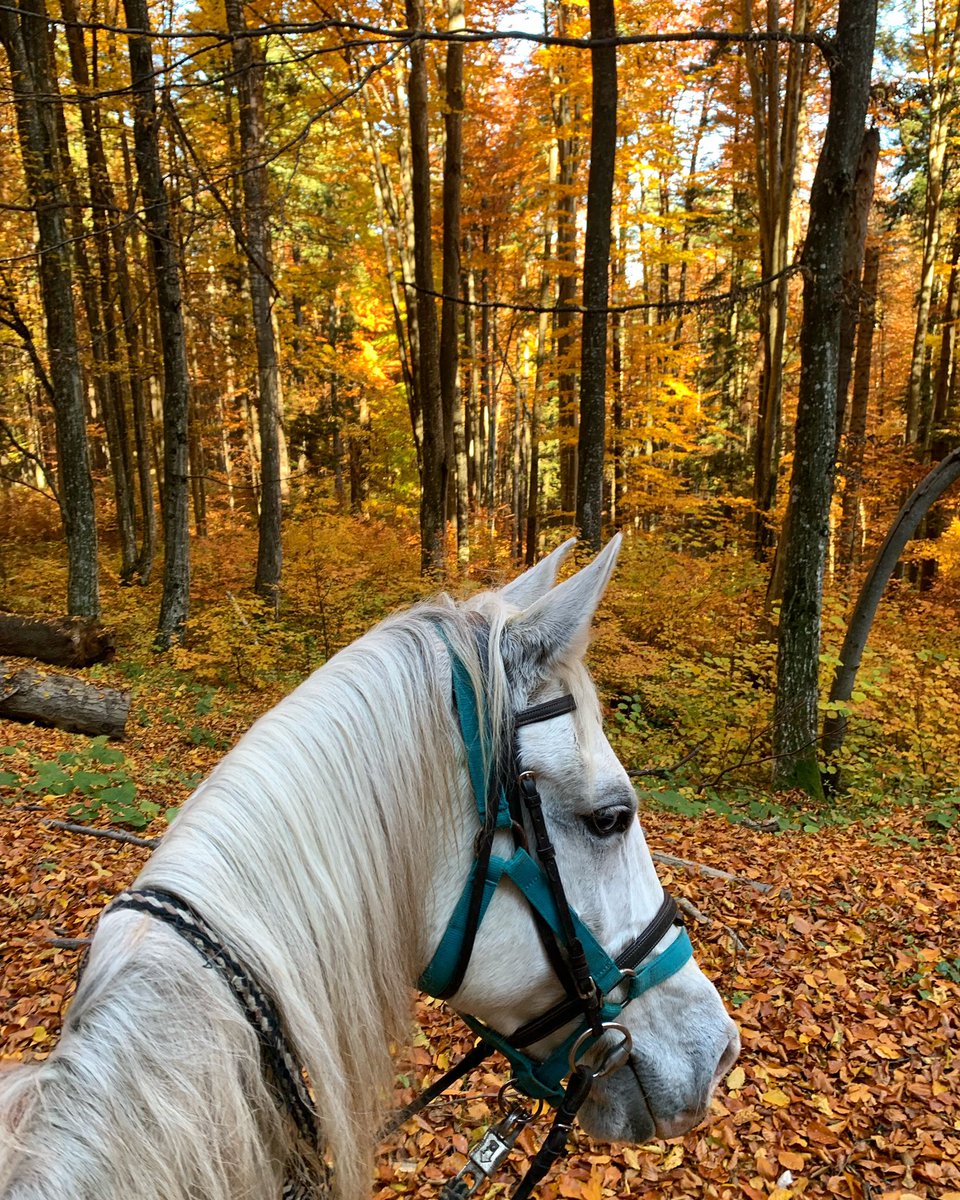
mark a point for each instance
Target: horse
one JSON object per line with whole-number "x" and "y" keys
{"x": 322, "y": 860}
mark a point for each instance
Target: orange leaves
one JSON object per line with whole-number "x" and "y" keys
{"x": 846, "y": 994}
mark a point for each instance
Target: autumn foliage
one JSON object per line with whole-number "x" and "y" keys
{"x": 287, "y": 173}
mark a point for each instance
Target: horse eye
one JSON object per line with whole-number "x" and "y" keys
{"x": 605, "y": 822}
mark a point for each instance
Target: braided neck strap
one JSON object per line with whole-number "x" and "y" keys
{"x": 257, "y": 1006}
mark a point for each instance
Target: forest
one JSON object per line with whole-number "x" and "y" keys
{"x": 308, "y": 311}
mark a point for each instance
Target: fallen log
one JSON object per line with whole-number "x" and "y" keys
{"x": 62, "y": 641}
{"x": 62, "y": 702}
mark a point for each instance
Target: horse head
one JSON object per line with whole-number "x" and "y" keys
{"x": 673, "y": 1040}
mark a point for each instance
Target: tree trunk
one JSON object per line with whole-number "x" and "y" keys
{"x": 26, "y": 48}
{"x": 539, "y": 379}
{"x": 850, "y": 532}
{"x": 137, "y": 373}
{"x": 596, "y": 276}
{"x": 924, "y": 495}
{"x": 449, "y": 317}
{"x": 941, "y": 60}
{"x": 108, "y": 361}
{"x": 175, "y": 603}
{"x": 811, "y": 485}
{"x": 776, "y": 124}
{"x": 566, "y": 120}
{"x": 853, "y": 266}
{"x": 618, "y": 483}
{"x": 249, "y": 69}
{"x": 62, "y": 702}
{"x": 433, "y": 489}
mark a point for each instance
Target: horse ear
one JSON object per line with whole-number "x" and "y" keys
{"x": 536, "y": 582}
{"x": 558, "y": 623}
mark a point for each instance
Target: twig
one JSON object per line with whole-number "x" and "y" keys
{"x": 114, "y": 835}
{"x": 63, "y": 943}
{"x": 670, "y": 860}
{"x": 666, "y": 772}
{"x": 691, "y": 910}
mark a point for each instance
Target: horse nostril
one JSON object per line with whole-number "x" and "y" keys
{"x": 729, "y": 1056}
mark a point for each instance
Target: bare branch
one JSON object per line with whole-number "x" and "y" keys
{"x": 113, "y": 835}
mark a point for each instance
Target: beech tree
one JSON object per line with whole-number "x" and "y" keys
{"x": 811, "y": 485}
{"x": 24, "y": 32}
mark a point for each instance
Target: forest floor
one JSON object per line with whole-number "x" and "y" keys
{"x": 845, "y": 984}
{"x": 844, "y": 975}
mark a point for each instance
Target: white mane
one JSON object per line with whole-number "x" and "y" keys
{"x": 309, "y": 849}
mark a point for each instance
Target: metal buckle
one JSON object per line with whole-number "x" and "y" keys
{"x": 613, "y": 1059}
{"x": 488, "y": 1153}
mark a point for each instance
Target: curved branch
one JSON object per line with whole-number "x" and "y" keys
{"x": 927, "y": 492}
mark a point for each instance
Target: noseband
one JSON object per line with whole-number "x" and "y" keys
{"x": 598, "y": 987}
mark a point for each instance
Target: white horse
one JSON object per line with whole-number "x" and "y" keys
{"x": 328, "y": 849}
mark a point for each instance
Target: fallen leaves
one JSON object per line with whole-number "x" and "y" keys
{"x": 847, "y": 996}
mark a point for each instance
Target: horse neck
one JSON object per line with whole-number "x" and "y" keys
{"x": 309, "y": 850}
{"x": 153, "y": 1091}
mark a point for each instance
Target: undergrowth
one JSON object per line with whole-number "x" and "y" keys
{"x": 683, "y": 655}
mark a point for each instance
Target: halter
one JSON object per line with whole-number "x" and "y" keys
{"x": 507, "y": 800}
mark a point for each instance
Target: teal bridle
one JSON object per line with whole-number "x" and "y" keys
{"x": 598, "y": 987}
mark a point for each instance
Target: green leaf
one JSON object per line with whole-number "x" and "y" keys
{"x": 51, "y": 778}
{"x": 122, "y": 794}
{"x": 105, "y": 754}
{"x": 87, "y": 782}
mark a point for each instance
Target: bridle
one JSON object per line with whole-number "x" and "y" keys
{"x": 507, "y": 800}
{"x": 597, "y": 986}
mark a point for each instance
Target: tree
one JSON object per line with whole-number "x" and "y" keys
{"x": 776, "y": 98}
{"x": 24, "y": 37}
{"x": 596, "y": 276}
{"x": 941, "y": 59}
{"x": 175, "y": 602}
{"x": 811, "y": 484}
{"x": 449, "y": 351}
{"x": 433, "y": 483}
{"x": 249, "y": 67}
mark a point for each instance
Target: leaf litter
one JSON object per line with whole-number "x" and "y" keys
{"x": 846, "y": 991}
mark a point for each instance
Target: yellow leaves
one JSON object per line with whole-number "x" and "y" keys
{"x": 673, "y": 1158}
{"x": 592, "y": 1189}
{"x": 775, "y": 1098}
{"x": 736, "y": 1079}
{"x": 631, "y": 1158}
{"x": 836, "y": 977}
